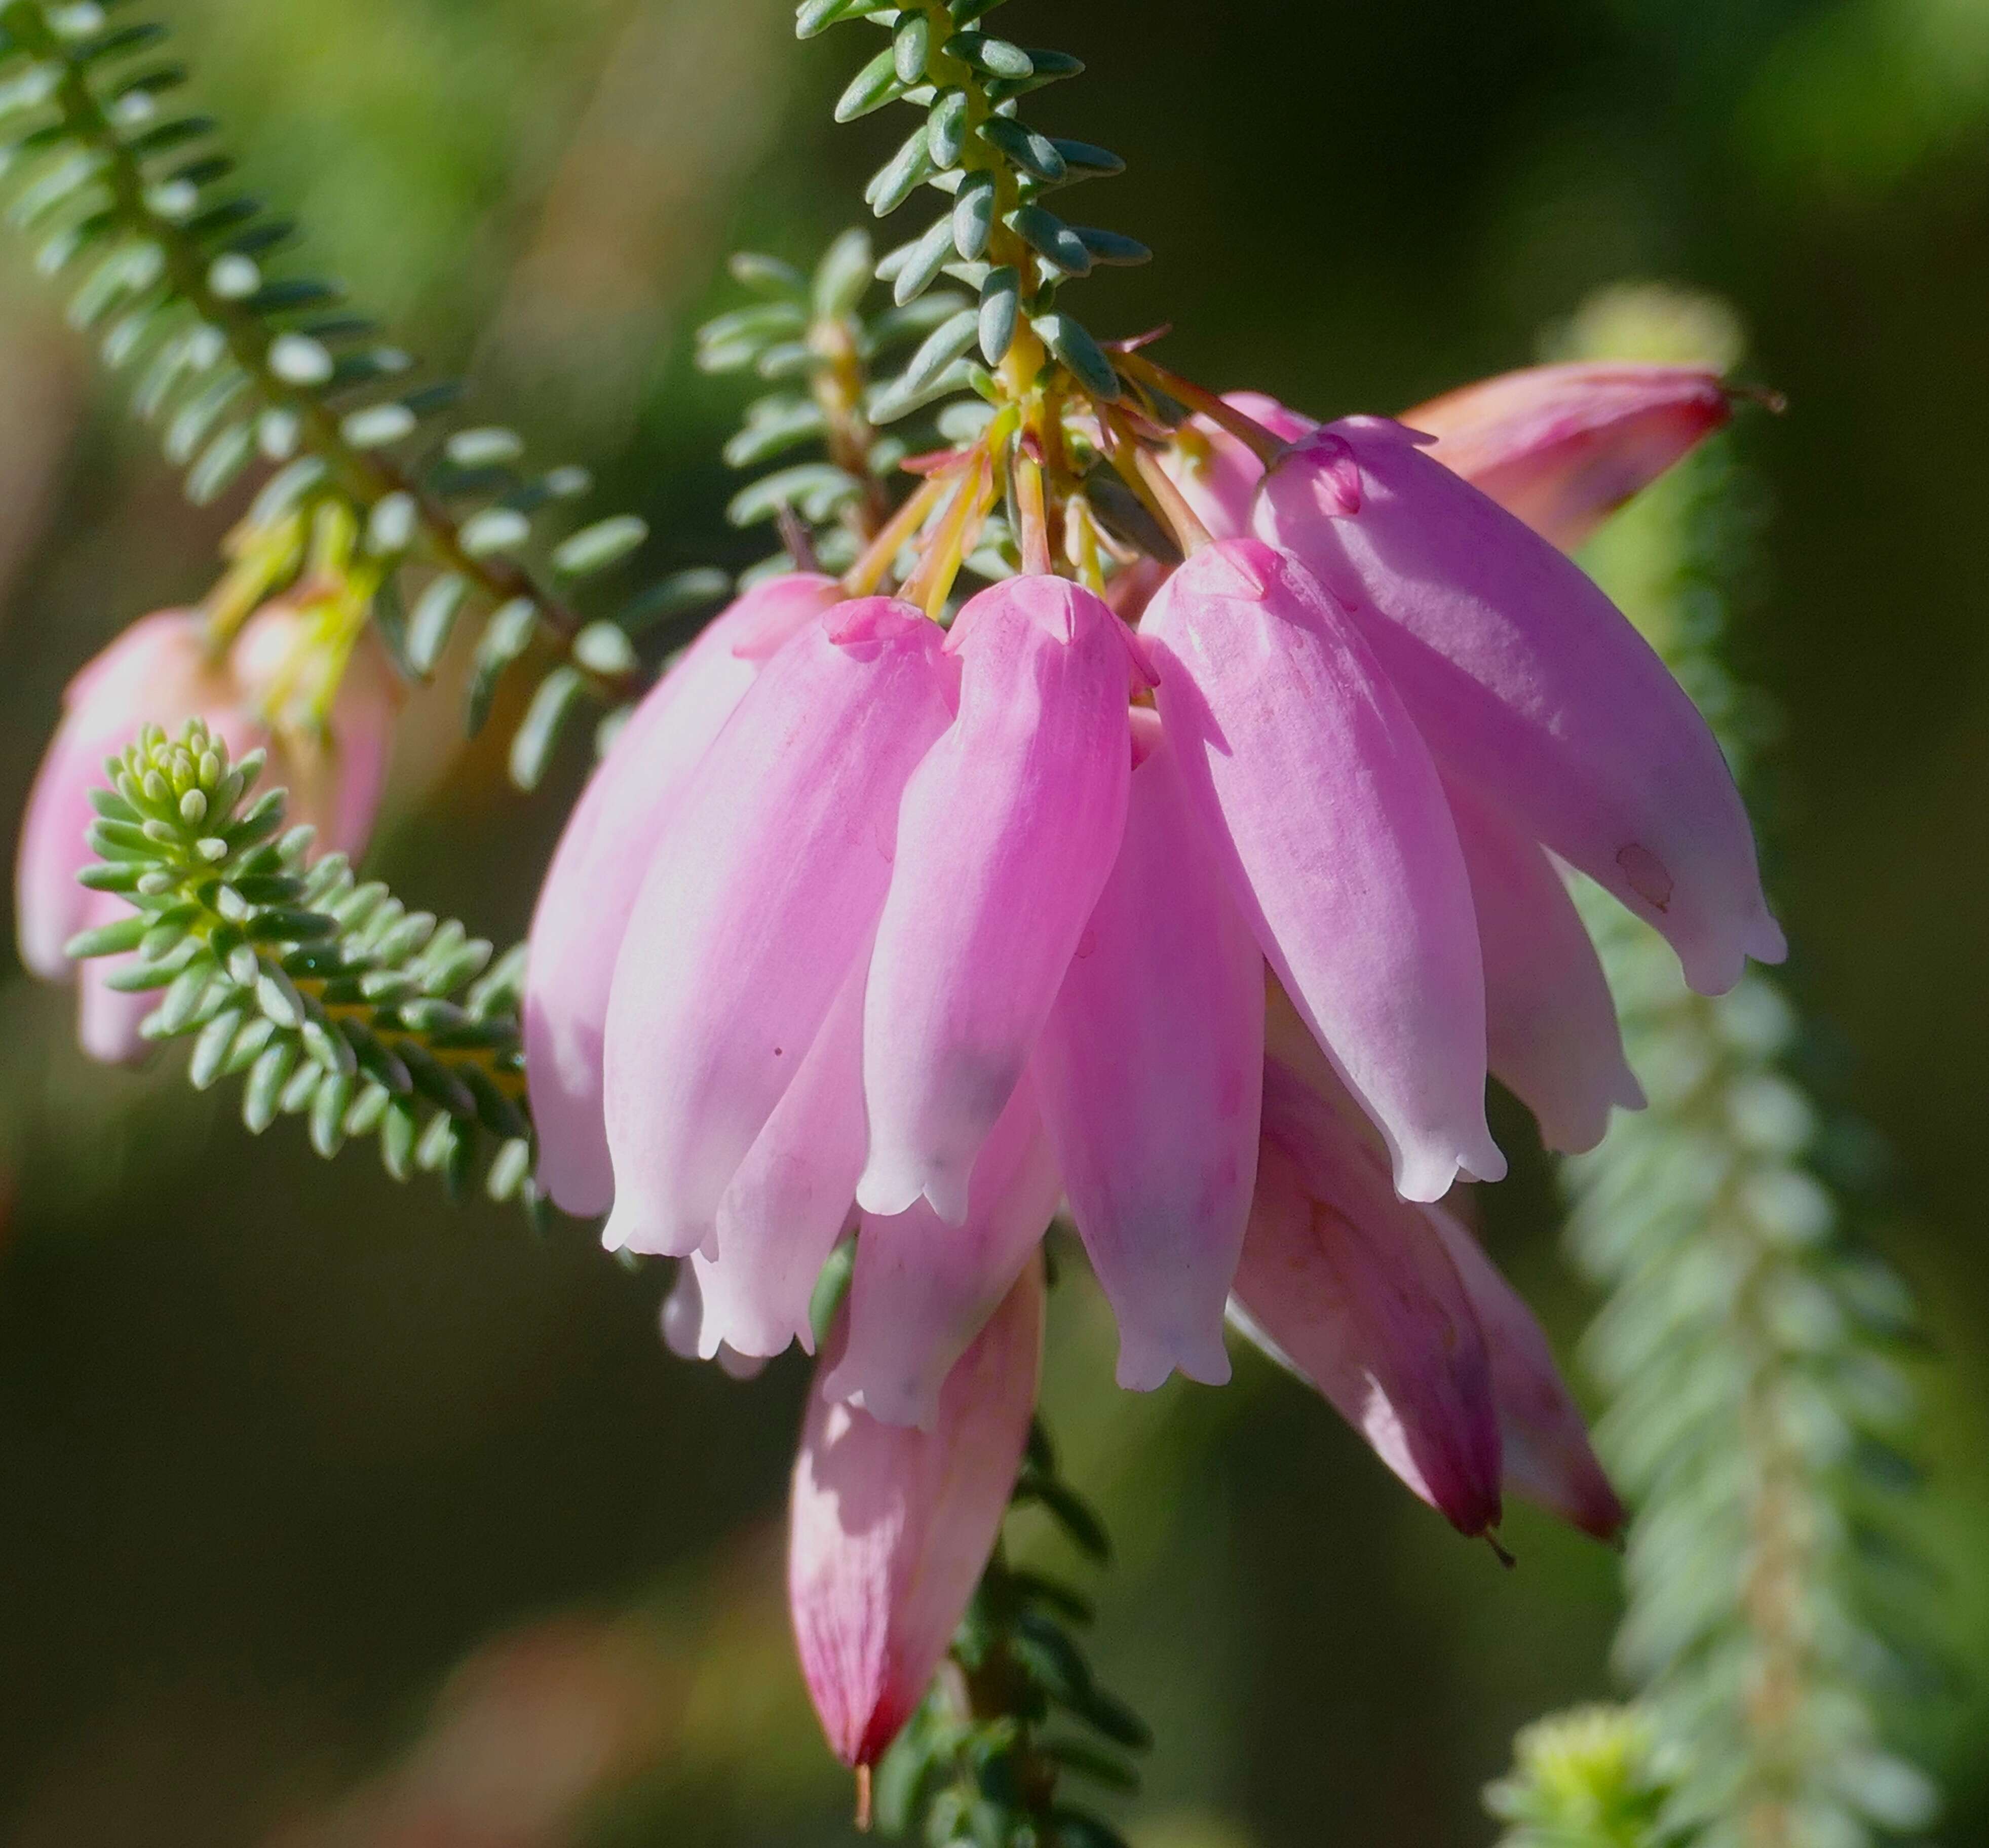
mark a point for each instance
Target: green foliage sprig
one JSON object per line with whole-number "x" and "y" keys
{"x": 814, "y": 338}
{"x": 996, "y": 234}
{"x": 1596, "y": 1778}
{"x": 1753, "y": 1340}
{"x": 979, "y": 1762}
{"x": 330, "y": 998}
{"x": 120, "y": 185}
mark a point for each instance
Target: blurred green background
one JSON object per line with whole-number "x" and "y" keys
{"x": 330, "y": 1516}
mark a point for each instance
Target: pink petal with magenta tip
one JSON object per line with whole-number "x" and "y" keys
{"x": 1009, "y": 831}
{"x": 1353, "y": 1290}
{"x": 1150, "y": 1072}
{"x": 590, "y": 890}
{"x": 1330, "y": 822}
{"x": 1547, "y": 1454}
{"x": 764, "y": 889}
{"x": 890, "y": 1527}
{"x": 1534, "y": 690}
{"x": 922, "y": 1289}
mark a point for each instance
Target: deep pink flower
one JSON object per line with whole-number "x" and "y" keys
{"x": 1563, "y": 447}
{"x": 891, "y": 1527}
{"x": 1394, "y": 1313}
{"x": 584, "y": 905}
{"x": 162, "y": 671}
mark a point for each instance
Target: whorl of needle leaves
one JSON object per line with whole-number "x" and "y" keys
{"x": 120, "y": 185}
{"x": 812, "y": 337}
{"x": 334, "y": 1001}
{"x": 982, "y": 1761}
{"x": 996, "y": 233}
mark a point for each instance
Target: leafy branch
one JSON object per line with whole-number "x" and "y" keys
{"x": 332, "y": 1000}
{"x": 997, "y": 235}
{"x": 116, "y": 180}
{"x": 976, "y": 1764}
{"x": 1753, "y": 1341}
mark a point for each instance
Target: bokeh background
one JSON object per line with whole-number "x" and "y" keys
{"x": 333, "y": 1517}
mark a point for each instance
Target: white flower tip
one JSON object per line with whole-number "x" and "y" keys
{"x": 1767, "y": 941}
{"x": 888, "y": 1187}
{"x": 1145, "y": 1366}
{"x": 912, "y": 1403}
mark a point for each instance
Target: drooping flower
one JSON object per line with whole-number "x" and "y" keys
{"x": 163, "y": 671}
{"x": 1303, "y": 767}
{"x": 913, "y": 933}
{"x": 1563, "y": 447}
{"x": 1395, "y": 1314}
{"x": 1530, "y": 686}
{"x": 891, "y": 1527}
{"x": 589, "y": 892}
{"x": 763, "y": 890}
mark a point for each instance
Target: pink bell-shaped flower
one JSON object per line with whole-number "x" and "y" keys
{"x": 1009, "y": 831}
{"x": 163, "y": 670}
{"x": 590, "y": 891}
{"x": 763, "y": 890}
{"x": 1394, "y": 1314}
{"x": 1354, "y": 1291}
{"x": 891, "y": 1527}
{"x": 1331, "y": 826}
{"x": 1530, "y": 686}
{"x": 1149, "y": 1070}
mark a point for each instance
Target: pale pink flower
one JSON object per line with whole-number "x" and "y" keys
{"x": 1530, "y": 686}
{"x": 1306, "y": 773}
{"x": 584, "y": 905}
{"x": 163, "y": 670}
{"x": 890, "y": 1527}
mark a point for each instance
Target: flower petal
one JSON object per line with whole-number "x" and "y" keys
{"x": 1352, "y": 1289}
{"x": 1008, "y": 834}
{"x": 922, "y": 1289}
{"x": 1332, "y": 825}
{"x": 1150, "y": 1071}
{"x": 1563, "y": 447}
{"x": 792, "y": 1197}
{"x": 1551, "y": 1028}
{"x": 764, "y": 889}
{"x": 1548, "y": 1458}
{"x": 891, "y": 1528}
{"x": 590, "y": 889}
{"x": 1532, "y": 688}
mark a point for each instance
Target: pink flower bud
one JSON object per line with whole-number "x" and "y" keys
{"x": 161, "y": 671}
{"x": 891, "y": 1528}
{"x": 1563, "y": 447}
